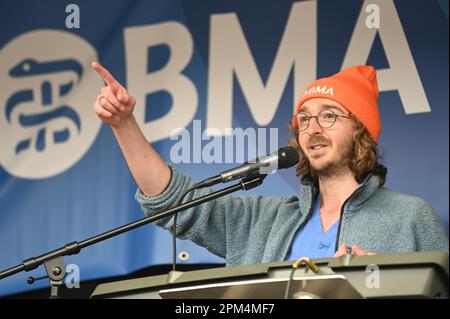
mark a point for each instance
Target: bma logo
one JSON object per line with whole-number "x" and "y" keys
{"x": 46, "y": 122}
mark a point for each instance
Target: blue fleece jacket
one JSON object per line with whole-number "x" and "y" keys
{"x": 257, "y": 229}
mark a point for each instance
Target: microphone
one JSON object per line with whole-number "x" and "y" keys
{"x": 285, "y": 157}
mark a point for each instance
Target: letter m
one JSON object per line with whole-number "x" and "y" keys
{"x": 230, "y": 56}
{"x": 322, "y": 89}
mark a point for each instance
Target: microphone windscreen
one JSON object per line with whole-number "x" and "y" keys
{"x": 287, "y": 157}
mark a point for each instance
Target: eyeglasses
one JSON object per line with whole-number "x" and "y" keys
{"x": 325, "y": 119}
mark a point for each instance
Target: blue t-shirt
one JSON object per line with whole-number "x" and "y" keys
{"x": 310, "y": 241}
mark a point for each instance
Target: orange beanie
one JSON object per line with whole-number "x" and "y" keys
{"x": 356, "y": 89}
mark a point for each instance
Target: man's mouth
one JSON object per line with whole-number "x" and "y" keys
{"x": 317, "y": 150}
{"x": 317, "y": 146}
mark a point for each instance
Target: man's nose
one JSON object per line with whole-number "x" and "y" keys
{"x": 314, "y": 128}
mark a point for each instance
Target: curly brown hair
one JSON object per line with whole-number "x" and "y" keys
{"x": 365, "y": 159}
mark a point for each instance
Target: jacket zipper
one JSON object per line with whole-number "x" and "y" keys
{"x": 340, "y": 224}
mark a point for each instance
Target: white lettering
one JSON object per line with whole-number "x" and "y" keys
{"x": 373, "y": 18}
{"x": 230, "y": 55}
{"x": 140, "y": 83}
{"x": 247, "y": 143}
{"x": 373, "y": 279}
{"x": 192, "y": 309}
{"x": 73, "y": 19}
{"x": 402, "y": 74}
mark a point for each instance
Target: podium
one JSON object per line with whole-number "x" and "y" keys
{"x": 406, "y": 275}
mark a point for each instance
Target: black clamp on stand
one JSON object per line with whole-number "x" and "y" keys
{"x": 56, "y": 272}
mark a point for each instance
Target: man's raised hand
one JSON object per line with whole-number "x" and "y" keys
{"x": 113, "y": 105}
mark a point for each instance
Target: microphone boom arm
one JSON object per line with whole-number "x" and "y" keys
{"x": 75, "y": 247}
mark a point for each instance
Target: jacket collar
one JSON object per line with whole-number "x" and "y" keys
{"x": 308, "y": 191}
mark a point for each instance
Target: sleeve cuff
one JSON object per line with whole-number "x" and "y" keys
{"x": 169, "y": 195}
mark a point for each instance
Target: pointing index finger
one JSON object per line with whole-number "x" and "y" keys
{"x": 106, "y": 76}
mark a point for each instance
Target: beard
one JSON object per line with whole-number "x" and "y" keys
{"x": 336, "y": 165}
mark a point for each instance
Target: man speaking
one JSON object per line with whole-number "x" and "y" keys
{"x": 342, "y": 205}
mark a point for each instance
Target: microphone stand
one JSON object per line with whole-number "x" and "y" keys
{"x": 54, "y": 263}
